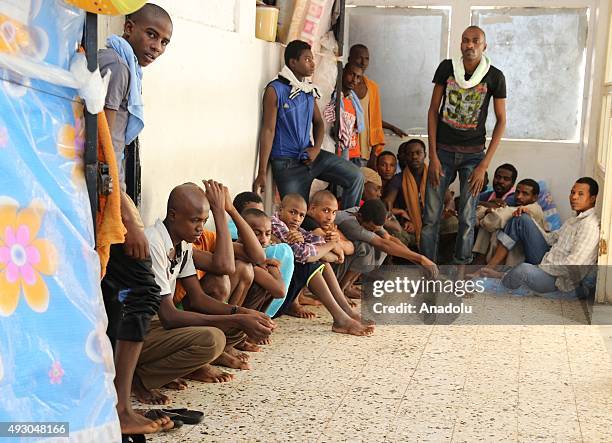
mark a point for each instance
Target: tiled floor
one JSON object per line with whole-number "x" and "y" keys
{"x": 417, "y": 383}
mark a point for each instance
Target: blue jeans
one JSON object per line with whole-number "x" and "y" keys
{"x": 294, "y": 177}
{"x": 453, "y": 163}
{"x": 531, "y": 276}
{"x": 524, "y": 230}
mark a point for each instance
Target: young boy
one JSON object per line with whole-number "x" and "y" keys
{"x": 310, "y": 272}
{"x": 242, "y": 201}
{"x": 290, "y": 116}
{"x": 268, "y": 284}
{"x": 131, "y": 296}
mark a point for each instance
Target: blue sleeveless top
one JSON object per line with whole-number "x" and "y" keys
{"x": 293, "y": 121}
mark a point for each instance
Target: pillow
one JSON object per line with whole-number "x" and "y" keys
{"x": 552, "y": 219}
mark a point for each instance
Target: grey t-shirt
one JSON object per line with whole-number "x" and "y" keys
{"x": 117, "y": 100}
{"x": 350, "y": 227}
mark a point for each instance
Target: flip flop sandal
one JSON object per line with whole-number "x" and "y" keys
{"x": 133, "y": 438}
{"x": 187, "y": 416}
{"x": 154, "y": 414}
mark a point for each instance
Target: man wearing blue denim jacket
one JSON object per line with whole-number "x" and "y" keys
{"x": 456, "y": 128}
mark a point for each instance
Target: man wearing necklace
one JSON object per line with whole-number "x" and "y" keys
{"x": 456, "y": 128}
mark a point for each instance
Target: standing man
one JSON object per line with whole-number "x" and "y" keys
{"x": 351, "y": 114}
{"x": 131, "y": 295}
{"x": 290, "y": 114}
{"x": 372, "y": 139}
{"x": 456, "y": 128}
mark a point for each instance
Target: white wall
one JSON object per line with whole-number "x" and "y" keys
{"x": 203, "y": 99}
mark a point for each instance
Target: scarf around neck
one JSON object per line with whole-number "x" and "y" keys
{"x": 477, "y": 76}
{"x": 298, "y": 86}
{"x": 135, "y": 105}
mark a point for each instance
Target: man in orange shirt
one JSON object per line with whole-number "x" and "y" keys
{"x": 372, "y": 138}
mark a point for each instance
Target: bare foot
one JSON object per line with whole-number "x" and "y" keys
{"x": 353, "y": 327}
{"x": 231, "y": 350}
{"x": 209, "y": 374}
{"x": 229, "y": 361}
{"x": 265, "y": 341}
{"x": 148, "y": 396}
{"x": 133, "y": 423}
{"x": 296, "y": 310}
{"x": 178, "y": 385}
{"x": 357, "y": 316}
{"x": 248, "y": 347}
{"x": 306, "y": 300}
{"x": 353, "y": 292}
{"x": 490, "y": 272}
{"x": 350, "y": 301}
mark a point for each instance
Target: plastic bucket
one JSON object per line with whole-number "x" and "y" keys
{"x": 266, "y": 21}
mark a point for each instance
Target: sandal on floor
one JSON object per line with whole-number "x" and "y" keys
{"x": 154, "y": 414}
{"x": 187, "y": 416}
{"x": 133, "y": 438}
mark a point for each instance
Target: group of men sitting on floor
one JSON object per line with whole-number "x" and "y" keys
{"x": 182, "y": 300}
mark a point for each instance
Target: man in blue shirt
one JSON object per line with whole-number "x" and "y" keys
{"x": 290, "y": 114}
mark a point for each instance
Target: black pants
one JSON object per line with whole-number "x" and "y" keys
{"x": 300, "y": 278}
{"x": 131, "y": 296}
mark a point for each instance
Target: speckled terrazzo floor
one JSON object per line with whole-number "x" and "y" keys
{"x": 458, "y": 383}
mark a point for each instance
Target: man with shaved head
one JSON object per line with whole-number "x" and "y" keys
{"x": 372, "y": 138}
{"x": 131, "y": 296}
{"x": 183, "y": 343}
{"x": 457, "y": 135}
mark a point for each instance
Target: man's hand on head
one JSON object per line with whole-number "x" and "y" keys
{"x": 215, "y": 193}
{"x": 229, "y": 205}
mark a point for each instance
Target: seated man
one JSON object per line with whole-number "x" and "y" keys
{"x": 225, "y": 270}
{"x": 351, "y": 115}
{"x": 364, "y": 227}
{"x": 386, "y": 166}
{"x": 492, "y": 219}
{"x": 405, "y": 193}
{"x": 372, "y": 187}
{"x": 268, "y": 282}
{"x": 242, "y": 201}
{"x": 555, "y": 260}
{"x": 183, "y": 343}
{"x": 320, "y": 221}
{"x": 275, "y": 250}
{"x": 310, "y": 272}
{"x": 502, "y": 193}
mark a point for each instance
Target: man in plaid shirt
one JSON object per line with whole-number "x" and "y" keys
{"x": 555, "y": 260}
{"x": 313, "y": 270}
